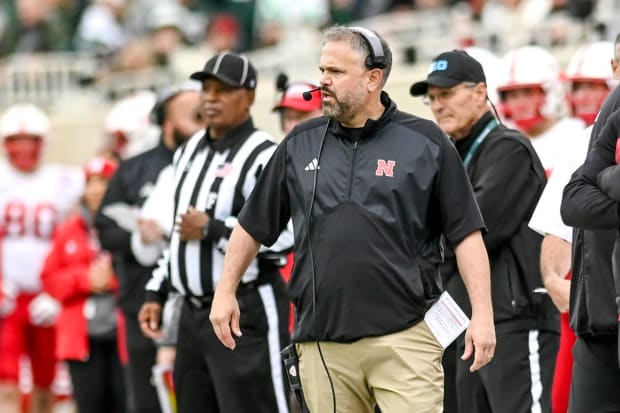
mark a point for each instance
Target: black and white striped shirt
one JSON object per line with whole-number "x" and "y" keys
{"x": 214, "y": 176}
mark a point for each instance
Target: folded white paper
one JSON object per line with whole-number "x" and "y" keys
{"x": 446, "y": 320}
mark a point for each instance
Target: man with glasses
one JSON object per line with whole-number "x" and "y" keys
{"x": 507, "y": 177}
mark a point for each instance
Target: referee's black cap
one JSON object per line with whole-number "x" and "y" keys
{"x": 448, "y": 70}
{"x": 234, "y": 69}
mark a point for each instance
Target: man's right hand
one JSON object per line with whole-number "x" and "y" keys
{"x": 225, "y": 316}
{"x": 559, "y": 291}
{"x": 149, "y": 318}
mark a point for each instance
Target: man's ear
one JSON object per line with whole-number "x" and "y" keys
{"x": 375, "y": 78}
{"x": 481, "y": 91}
{"x": 251, "y": 96}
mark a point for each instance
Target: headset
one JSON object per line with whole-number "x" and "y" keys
{"x": 376, "y": 59}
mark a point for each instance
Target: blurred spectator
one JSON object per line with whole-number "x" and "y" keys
{"x": 35, "y": 27}
{"x": 589, "y": 79}
{"x": 136, "y": 54}
{"x": 70, "y": 12}
{"x": 346, "y": 11}
{"x": 79, "y": 275}
{"x": 501, "y": 17}
{"x": 533, "y": 99}
{"x": 274, "y": 18}
{"x": 128, "y": 130}
{"x": 194, "y": 18}
{"x": 222, "y": 33}
{"x": 34, "y": 198}
{"x": 292, "y": 107}
{"x": 100, "y": 29}
{"x": 165, "y": 26}
{"x": 243, "y": 12}
{"x": 430, "y": 4}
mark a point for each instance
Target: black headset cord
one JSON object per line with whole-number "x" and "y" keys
{"x": 309, "y": 218}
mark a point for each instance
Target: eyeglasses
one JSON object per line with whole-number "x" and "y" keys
{"x": 445, "y": 94}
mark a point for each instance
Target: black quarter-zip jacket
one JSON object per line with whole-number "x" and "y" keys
{"x": 507, "y": 178}
{"x": 367, "y": 234}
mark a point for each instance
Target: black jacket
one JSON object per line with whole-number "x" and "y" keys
{"x": 592, "y": 298}
{"x": 378, "y": 204}
{"x": 508, "y": 178}
{"x": 130, "y": 185}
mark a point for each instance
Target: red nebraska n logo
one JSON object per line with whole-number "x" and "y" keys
{"x": 385, "y": 168}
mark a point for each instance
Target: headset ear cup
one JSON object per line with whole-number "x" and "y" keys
{"x": 370, "y": 64}
{"x": 376, "y": 58}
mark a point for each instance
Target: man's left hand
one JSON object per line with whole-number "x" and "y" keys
{"x": 191, "y": 224}
{"x": 480, "y": 341}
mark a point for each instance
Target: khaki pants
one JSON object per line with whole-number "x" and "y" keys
{"x": 401, "y": 372}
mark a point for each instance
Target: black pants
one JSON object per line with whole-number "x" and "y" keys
{"x": 595, "y": 386}
{"x": 142, "y": 352}
{"x": 98, "y": 385}
{"x": 450, "y": 402}
{"x": 519, "y": 377}
{"x": 250, "y": 379}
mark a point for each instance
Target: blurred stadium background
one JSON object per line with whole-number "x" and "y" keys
{"x": 77, "y": 94}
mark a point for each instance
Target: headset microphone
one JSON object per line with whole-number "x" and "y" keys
{"x": 307, "y": 95}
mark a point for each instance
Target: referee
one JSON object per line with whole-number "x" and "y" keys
{"x": 214, "y": 174}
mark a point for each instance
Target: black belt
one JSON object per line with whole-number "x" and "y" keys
{"x": 199, "y": 303}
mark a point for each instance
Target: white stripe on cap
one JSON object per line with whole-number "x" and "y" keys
{"x": 218, "y": 62}
{"x": 245, "y": 70}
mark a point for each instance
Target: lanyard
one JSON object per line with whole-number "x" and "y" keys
{"x": 479, "y": 139}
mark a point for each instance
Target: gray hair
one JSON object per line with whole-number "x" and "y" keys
{"x": 359, "y": 43}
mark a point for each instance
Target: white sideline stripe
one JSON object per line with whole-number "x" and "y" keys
{"x": 536, "y": 380}
{"x": 273, "y": 338}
